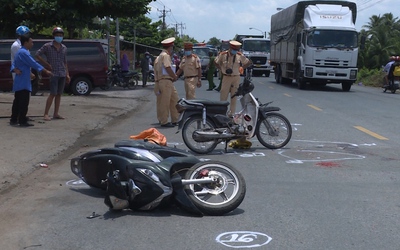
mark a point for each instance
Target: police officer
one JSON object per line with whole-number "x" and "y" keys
{"x": 229, "y": 62}
{"x": 167, "y": 96}
{"x": 191, "y": 68}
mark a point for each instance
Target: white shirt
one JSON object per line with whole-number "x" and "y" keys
{"x": 14, "y": 49}
{"x": 387, "y": 67}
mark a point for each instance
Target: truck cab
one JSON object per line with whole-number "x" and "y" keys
{"x": 258, "y": 50}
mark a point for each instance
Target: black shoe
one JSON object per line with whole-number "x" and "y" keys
{"x": 12, "y": 123}
{"x": 26, "y": 125}
{"x": 175, "y": 123}
{"x": 217, "y": 89}
{"x": 167, "y": 125}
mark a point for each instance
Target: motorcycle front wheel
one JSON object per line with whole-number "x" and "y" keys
{"x": 274, "y": 131}
{"x": 220, "y": 197}
{"x": 133, "y": 82}
{"x": 194, "y": 124}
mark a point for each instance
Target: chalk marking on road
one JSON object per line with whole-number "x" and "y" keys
{"x": 295, "y": 125}
{"x": 243, "y": 239}
{"x": 369, "y": 132}
{"x": 347, "y": 156}
{"x": 314, "y": 107}
{"x": 332, "y": 142}
{"x": 76, "y": 184}
{"x": 287, "y": 95}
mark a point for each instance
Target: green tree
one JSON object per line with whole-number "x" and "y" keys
{"x": 72, "y": 15}
{"x": 214, "y": 41}
{"x": 383, "y": 34}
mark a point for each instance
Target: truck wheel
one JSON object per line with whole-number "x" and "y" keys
{"x": 346, "y": 86}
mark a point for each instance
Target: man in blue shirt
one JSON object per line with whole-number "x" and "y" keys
{"x": 22, "y": 87}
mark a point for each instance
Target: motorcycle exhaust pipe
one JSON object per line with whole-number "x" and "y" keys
{"x": 199, "y": 181}
{"x": 205, "y": 136}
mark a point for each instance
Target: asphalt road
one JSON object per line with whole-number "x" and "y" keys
{"x": 334, "y": 186}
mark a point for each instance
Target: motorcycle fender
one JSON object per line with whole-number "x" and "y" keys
{"x": 181, "y": 196}
{"x": 187, "y": 114}
{"x": 263, "y": 110}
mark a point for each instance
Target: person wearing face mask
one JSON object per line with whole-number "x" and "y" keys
{"x": 56, "y": 55}
{"x": 191, "y": 68}
{"x": 229, "y": 62}
{"x": 144, "y": 65}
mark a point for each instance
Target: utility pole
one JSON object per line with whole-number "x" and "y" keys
{"x": 163, "y": 14}
{"x": 176, "y": 29}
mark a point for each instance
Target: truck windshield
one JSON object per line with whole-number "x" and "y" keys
{"x": 332, "y": 39}
{"x": 256, "y": 45}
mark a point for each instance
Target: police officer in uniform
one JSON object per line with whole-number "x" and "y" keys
{"x": 229, "y": 62}
{"x": 167, "y": 96}
{"x": 191, "y": 67}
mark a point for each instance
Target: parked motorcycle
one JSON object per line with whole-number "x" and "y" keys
{"x": 115, "y": 77}
{"x": 142, "y": 175}
{"x": 204, "y": 123}
{"x": 393, "y": 85}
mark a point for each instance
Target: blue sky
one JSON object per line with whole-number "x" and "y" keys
{"x": 204, "y": 19}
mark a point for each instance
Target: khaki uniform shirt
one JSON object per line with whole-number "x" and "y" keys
{"x": 190, "y": 65}
{"x": 162, "y": 61}
{"x": 228, "y": 61}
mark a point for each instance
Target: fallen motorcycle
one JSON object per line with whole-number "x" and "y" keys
{"x": 142, "y": 175}
{"x": 204, "y": 123}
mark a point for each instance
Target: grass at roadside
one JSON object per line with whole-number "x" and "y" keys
{"x": 371, "y": 77}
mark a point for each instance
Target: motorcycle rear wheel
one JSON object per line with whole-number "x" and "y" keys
{"x": 190, "y": 126}
{"x": 274, "y": 131}
{"x": 218, "y": 198}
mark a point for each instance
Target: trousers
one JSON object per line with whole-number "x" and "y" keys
{"x": 230, "y": 84}
{"x": 167, "y": 98}
{"x": 20, "y": 106}
{"x": 190, "y": 87}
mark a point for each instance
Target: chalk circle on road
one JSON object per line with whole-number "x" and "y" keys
{"x": 243, "y": 239}
{"x": 77, "y": 184}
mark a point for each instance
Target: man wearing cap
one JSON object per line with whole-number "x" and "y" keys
{"x": 164, "y": 74}
{"x": 229, "y": 62}
{"x": 19, "y": 31}
{"x": 191, "y": 68}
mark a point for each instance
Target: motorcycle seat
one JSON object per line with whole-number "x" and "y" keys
{"x": 209, "y": 102}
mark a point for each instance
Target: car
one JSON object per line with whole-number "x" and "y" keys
{"x": 202, "y": 52}
{"x": 87, "y": 65}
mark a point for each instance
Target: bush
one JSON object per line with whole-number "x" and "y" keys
{"x": 371, "y": 77}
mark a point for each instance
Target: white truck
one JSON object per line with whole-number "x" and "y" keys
{"x": 257, "y": 49}
{"x": 315, "y": 42}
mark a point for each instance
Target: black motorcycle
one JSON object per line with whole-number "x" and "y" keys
{"x": 142, "y": 175}
{"x": 393, "y": 85}
{"x": 204, "y": 123}
{"x": 117, "y": 77}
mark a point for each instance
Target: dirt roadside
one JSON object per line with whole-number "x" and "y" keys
{"x": 22, "y": 150}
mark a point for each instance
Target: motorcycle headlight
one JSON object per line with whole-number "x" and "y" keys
{"x": 149, "y": 174}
